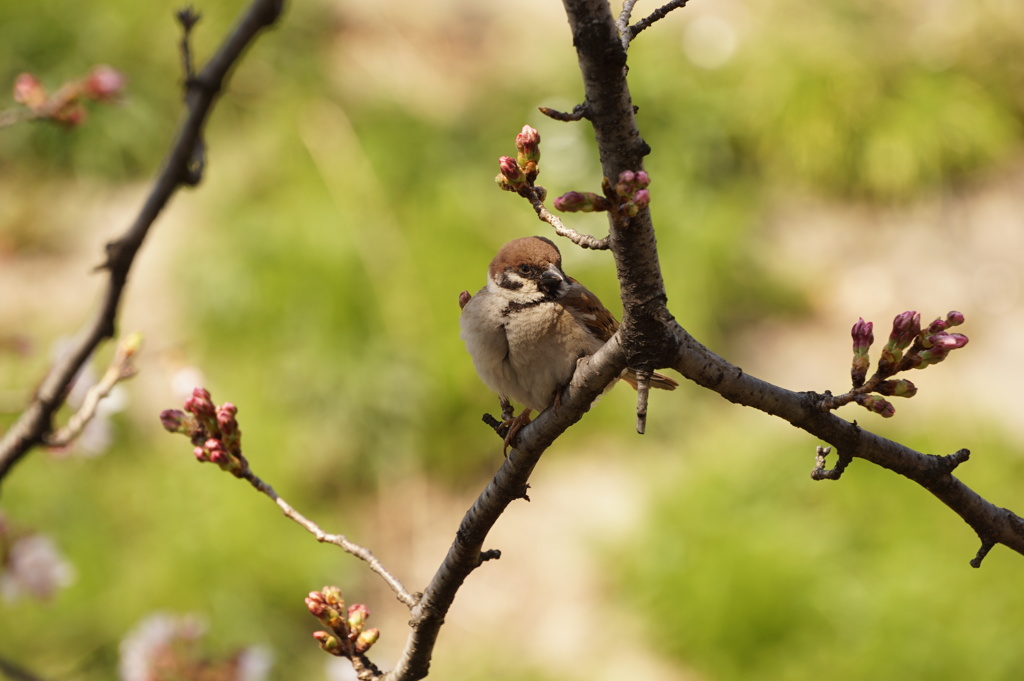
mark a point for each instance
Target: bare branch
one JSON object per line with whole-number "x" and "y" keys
{"x": 36, "y": 421}
{"x": 822, "y": 473}
{"x": 121, "y": 368}
{"x": 628, "y": 33}
{"x": 643, "y": 387}
{"x": 581, "y": 240}
{"x": 510, "y": 483}
{"x": 339, "y": 540}
{"x": 993, "y": 524}
{"x": 578, "y": 113}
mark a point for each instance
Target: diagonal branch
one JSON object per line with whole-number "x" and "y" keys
{"x": 36, "y": 421}
{"x": 510, "y": 483}
{"x": 338, "y": 540}
{"x": 993, "y": 525}
{"x": 652, "y": 339}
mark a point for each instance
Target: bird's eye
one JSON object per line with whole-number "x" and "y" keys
{"x": 524, "y": 269}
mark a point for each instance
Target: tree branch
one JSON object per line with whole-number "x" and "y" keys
{"x": 338, "y": 540}
{"x": 510, "y": 483}
{"x": 36, "y": 421}
{"x": 652, "y": 339}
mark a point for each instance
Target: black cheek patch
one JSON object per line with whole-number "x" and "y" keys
{"x": 510, "y": 283}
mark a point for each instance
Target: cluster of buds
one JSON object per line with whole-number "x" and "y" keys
{"x": 909, "y": 347}
{"x": 518, "y": 174}
{"x": 213, "y": 431}
{"x": 347, "y": 634}
{"x": 626, "y": 197}
{"x": 65, "y": 106}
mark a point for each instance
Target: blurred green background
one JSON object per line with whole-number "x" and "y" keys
{"x": 812, "y": 163}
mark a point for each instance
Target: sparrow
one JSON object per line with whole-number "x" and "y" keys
{"x": 530, "y": 325}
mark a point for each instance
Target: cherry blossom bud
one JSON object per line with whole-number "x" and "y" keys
{"x": 315, "y": 603}
{"x": 29, "y": 92}
{"x": 176, "y": 421}
{"x": 511, "y": 171}
{"x": 200, "y": 404}
{"x": 948, "y": 341}
{"x": 954, "y": 318}
{"x": 863, "y": 336}
{"x": 228, "y": 426}
{"x": 367, "y": 639}
{"x": 877, "y": 404}
{"x": 328, "y": 642}
{"x": 581, "y": 202}
{"x": 905, "y": 328}
{"x": 641, "y": 198}
{"x": 897, "y": 388}
{"x": 357, "y": 615}
{"x": 103, "y": 83}
{"x": 528, "y": 146}
{"x": 332, "y": 595}
{"x": 642, "y": 179}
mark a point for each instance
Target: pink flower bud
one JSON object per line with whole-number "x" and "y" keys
{"x": 103, "y": 83}
{"x": 947, "y": 341}
{"x": 511, "y": 171}
{"x": 905, "y": 328}
{"x": 863, "y": 336}
{"x": 200, "y": 404}
{"x": 528, "y": 145}
{"x": 627, "y": 177}
{"x": 897, "y": 388}
{"x": 174, "y": 420}
{"x": 642, "y": 179}
{"x": 29, "y": 92}
{"x": 586, "y": 202}
{"x": 316, "y": 607}
{"x": 357, "y": 616}
{"x": 642, "y": 198}
{"x": 328, "y": 642}
{"x": 954, "y": 318}
{"x": 877, "y": 404}
{"x": 332, "y": 595}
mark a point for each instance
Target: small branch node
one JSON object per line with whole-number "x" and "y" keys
{"x": 490, "y": 554}
{"x": 188, "y": 18}
{"x": 986, "y": 546}
{"x": 951, "y": 461}
{"x": 578, "y": 113}
{"x": 643, "y": 387}
{"x": 822, "y": 473}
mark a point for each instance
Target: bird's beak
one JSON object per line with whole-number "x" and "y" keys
{"x": 553, "y": 281}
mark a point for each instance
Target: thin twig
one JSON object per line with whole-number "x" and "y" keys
{"x": 36, "y": 420}
{"x": 579, "y": 112}
{"x": 121, "y": 368}
{"x": 188, "y": 18}
{"x": 339, "y": 540}
{"x": 643, "y": 387}
{"x": 581, "y": 240}
{"x": 630, "y": 32}
{"x": 834, "y": 473}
